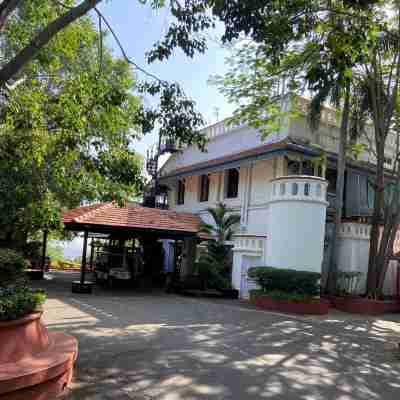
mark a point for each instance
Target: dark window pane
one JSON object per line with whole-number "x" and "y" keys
{"x": 204, "y": 187}
{"x": 181, "y": 192}
{"x": 232, "y": 183}
{"x": 331, "y": 176}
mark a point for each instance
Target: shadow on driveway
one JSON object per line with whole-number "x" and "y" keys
{"x": 157, "y": 346}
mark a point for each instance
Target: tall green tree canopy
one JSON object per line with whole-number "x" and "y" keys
{"x": 67, "y": 124}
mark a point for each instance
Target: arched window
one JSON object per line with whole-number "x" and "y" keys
{"x": 306, "y": 189}
{"x": 295, "y": 189}
{"x": 282, "y": 189}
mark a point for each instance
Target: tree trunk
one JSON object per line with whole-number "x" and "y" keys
{"x": 385, "y": 261}
{"x": 333, "y": 267}
{"x": 375, "y": 222}
{"x": 15, "y": 65}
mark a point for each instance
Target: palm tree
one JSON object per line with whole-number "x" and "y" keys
{"x": 224, "y": 223}
{"x": 214, "y": 267}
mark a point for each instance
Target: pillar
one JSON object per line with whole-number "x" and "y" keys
{"x": 83, "y": 262}
{"x": 189, "y": 256}
{"x": 91, "y": 254}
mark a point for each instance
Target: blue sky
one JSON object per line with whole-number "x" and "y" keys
{"x": 138, "y": 28}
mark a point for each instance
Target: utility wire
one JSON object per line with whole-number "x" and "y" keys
{"x": 118, "y": 41}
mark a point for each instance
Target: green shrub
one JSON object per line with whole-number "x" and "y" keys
{"x": 15, "y": 302}
{"x": 210, "y": 275}
{"x": 293, "y": 297}
{"x": 286, "y": 280}
{"x": 12, "y": 266}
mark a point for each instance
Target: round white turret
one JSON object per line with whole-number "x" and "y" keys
{"x": 296, "y": 223}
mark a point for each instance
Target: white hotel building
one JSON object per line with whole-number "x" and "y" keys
{"x": 285, "y": 198}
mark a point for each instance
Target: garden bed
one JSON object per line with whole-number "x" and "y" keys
{"x": 288, "y": 291}
{"x": 315, "y": 307}
{"x": 360, "y": 305}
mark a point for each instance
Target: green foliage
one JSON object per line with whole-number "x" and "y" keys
{"x": 286, "y": 280}
{"x": 68, "y": 124}
{"x": 16, "y": 299}
{"x": 15, "y": 302}
{"x": 224, "y": 223}
{"x": 305, "y": 47}
{"x": 12, "y": 267}
{"x": 214, "y": 266}
{"x": 212, "y": 274}
{"x": 32, "y": 249}
{"x": 55, "y": 252}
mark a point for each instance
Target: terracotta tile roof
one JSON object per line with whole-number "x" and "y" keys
{"x": 133, "y": 216}
{"x": 259, "y": 150}
{"x": 75, "y": 213}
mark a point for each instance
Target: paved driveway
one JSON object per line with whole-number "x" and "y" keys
{"x": 143, "y": 346}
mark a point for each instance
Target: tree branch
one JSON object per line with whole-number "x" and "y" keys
{"x": 12, "y": 68}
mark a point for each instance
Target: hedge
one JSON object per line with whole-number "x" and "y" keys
{"x": 12, "y": 266}
{"x": 15, "y": 302}
{"x": 286, "y": 280}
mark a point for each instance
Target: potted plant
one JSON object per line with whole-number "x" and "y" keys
{"x": 288, "y": 290}
{"x": 42, "y": 362}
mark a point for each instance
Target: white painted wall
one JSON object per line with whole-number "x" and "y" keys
{"x": 233, "y": 141}
{"x": 296, "y": 222}
{"x": 354, "y": 252}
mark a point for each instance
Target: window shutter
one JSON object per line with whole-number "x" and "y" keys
{"x": 352, "y": 194}
{"x": 359, "y": 195}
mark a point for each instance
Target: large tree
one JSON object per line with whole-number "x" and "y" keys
{"x": 67, "y": 126}
{"x": 317, "y": 61}
{"x": 351, "y": 52}
{"x": 68, "y": 121}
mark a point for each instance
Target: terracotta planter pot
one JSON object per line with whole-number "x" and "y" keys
{"x": 22, "y": 337}
{"x": 359, "y": 305}
{"x": 34, "y": 364}
{"x": 320, "y": 307}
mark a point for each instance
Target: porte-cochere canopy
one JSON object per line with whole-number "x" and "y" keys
{"x": 133, "y": 219}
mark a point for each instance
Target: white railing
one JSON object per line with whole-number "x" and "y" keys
{"x": 220, "y": 128}
{"x": 247, "y": 243}
{"x": 355, "y": 230}
{"x": 298, "y": 187}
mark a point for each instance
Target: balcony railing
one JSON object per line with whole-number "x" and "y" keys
{"x": 219, "y": 128}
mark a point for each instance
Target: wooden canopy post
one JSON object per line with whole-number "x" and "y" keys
{"x": 83, "y": 261}
{"x": 91, "y": 254}
{"x": 83, "y": 286}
